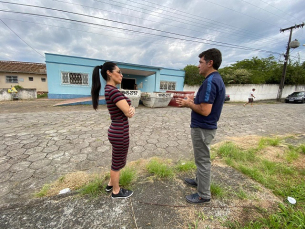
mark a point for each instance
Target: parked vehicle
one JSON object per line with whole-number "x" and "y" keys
{"x": 227, "y": 97}
{"x": 298, "y": 96}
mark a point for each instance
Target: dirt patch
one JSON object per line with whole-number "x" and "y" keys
{"x": 72, "y": 180}
{"x": 275, "y": 154}
{"x": 246, "y": 142}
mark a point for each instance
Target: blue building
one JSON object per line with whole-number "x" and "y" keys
{"x": 70, "y": 77}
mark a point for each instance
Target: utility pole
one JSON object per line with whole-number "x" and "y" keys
{"x": 279, "y": 94}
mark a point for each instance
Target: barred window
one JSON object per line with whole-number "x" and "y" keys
{"x": 166, "y": 85}
{"x": 74, "y": 78}
{"x": 11, "y": 79}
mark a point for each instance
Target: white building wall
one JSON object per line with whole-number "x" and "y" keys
{"x": 240, "y": 92}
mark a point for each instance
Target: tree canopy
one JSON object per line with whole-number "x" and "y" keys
{"x": 253, "y": 71}
{"x": 192, "y": 76}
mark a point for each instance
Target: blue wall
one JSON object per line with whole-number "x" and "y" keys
{"x": 60, "y": 63}
{"x": 175, "y": 75}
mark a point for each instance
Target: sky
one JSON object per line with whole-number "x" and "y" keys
{"x": 161, "y": 33}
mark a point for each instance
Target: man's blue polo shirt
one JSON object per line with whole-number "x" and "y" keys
{"x": 211, "y": 91}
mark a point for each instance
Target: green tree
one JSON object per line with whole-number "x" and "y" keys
{"x": 235, "y": 76}
{"x": 192, "y": 76}
{"x": 295, "y": 73}
{"x": 253, "y": 71}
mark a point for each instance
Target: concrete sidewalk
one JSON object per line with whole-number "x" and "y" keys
{"x": 37, "y": 148}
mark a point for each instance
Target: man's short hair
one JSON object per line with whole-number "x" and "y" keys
{"x": 214, "y": 55}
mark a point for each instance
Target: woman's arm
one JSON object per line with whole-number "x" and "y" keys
{"x": 125, "y": 108}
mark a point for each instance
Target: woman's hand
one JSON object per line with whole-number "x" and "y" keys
{"x": 132, "y": 111}
{"x": 128, "y": 111}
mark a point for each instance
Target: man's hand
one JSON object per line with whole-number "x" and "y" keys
{"x": 202, "y": 108}
{"x": 185, "y": 102}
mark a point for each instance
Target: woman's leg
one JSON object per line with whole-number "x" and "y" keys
{"x": 114, "y": 181}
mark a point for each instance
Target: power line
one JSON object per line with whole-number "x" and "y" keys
{"x": 129, "y": 24}
{"x": 140, "y": 17}
{"x": 185, "y": 13}
{"x": 79, "y": 30}
{"x": 271, "y": 41}
{"x": 262, "y": 9}
{"x": 227, "y": 26}
{"x": 278, "y": 8}
{"x": 21, "y": 38}
{"x": 207, "y": 41}
{"x": 86, "y": 31}
{"x": 240, "y": 12}
{"x": 124, "y": 23}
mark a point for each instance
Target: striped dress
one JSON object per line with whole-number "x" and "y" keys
{"x": 118, "y": 132}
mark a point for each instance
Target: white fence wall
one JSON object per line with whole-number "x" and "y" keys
{"x": 240, "y": 92}
{"x": 21, "y": 94}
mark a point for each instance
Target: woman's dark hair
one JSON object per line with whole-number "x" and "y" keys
{"x": 96, "y": 82}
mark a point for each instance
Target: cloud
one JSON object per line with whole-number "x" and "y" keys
{"x": 167, "y": 33}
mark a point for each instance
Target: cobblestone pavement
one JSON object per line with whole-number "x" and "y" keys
{"x": 38, "y": 147}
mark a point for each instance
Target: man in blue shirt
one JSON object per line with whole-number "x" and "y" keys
{"x": 206, "y": 110}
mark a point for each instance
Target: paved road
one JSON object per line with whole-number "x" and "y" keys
{"x": 37, "y": 147}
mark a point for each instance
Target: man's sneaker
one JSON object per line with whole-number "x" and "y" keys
{"x": 108, "y": 188}
{"x": 123, "y": 193}
{"x": 191, "y": 182}
{"x": 196, "y": 199}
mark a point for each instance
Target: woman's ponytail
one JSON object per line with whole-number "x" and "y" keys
{"x": 96, "y": 86}
{"x": 96, "y": 82}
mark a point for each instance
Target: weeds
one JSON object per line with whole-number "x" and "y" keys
{"x": 268, "y": 142}
{"x": 302, "y": 148}
{"x": 241, "y": 194}
{"x": 43, "y": 191}
{"x": 127, "y": 176}
{"x": 217, "y": 190}
{"x": 94, "y": 188}
{"x": 186, "y": 166}
{"x": 160, "y": 169}
{"x": 44, "y": 95}
{"x": 283, "y": 178}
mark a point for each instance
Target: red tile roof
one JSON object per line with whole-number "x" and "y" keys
{"x": 22, "y": 67}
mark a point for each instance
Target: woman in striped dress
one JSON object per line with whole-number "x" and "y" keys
{"x": 120, "y": 109}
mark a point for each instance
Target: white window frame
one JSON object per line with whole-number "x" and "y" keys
{"x": 11, "y": 79}
{"x": 67, "y": 81}
{"x": 168, "y": 85}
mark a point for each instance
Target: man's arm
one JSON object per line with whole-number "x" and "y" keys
{"x": 202, "y": 108}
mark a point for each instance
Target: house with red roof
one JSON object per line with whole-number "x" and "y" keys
{"x": 25, "y": 74}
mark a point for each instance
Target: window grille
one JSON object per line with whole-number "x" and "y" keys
{"x": 11, "y": 79}
{"x": 166, "y": 85}
{"x": 74, "y": 78}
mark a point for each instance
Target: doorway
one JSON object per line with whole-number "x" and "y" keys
{"x": 128, "y": 84}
